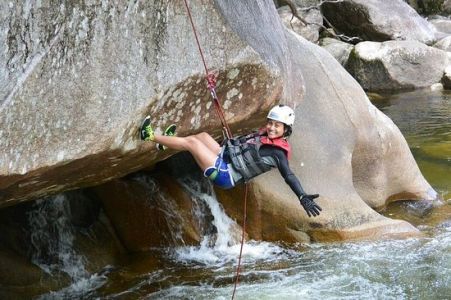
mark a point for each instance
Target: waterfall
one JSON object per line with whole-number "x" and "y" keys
{"x": 220, "y": 234}
{"x": 219, "y": 230}
{"x": 52, "y": 238}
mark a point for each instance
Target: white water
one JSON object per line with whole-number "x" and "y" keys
{"x": 397, "y": 269}
{"x": 224, "y": 245}
{"x": 418, "y": 268}
{"x": 52, "y": 242}
{"x": 52, "y": 238}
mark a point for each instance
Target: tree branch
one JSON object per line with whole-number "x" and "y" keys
{"x": 294, "y": 11}
{"x": 332, "y": 30}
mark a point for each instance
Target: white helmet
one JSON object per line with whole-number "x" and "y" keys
{"x": 282, "y": 113}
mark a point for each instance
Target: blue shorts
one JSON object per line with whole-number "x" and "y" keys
{"x": 219, "y": 174}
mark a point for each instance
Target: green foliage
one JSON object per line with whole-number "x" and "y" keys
{"x": 430, "y": 7}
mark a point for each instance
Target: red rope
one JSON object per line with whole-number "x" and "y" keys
{"x": 211, "y": 80}
{"x": 242, "y": 240}
{"x": 211, "y": 84}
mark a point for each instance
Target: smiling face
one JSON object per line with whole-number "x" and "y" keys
{"x": 274, "y": 129}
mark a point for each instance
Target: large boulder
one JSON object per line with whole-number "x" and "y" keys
{"x": 307, "y": 3}
{"x": 396, "y": 65}
{"x": 353, "y": 160}
{"x": 444, "y": 44}
{"x": 309, "y": 31}
{"x": 340, "y": 50}
{"x": 77, "y": 79}
{"x": 347, "y": 151}
{"x": 446, "y": 7}
{"x": 446, "y": 79}
{"x": 148, "y": 212}
{"x": 377, "y": 20}
{"x": 23, "y": 280}
{"x": 299, "y": 3}
{"x": 442, "y": 25}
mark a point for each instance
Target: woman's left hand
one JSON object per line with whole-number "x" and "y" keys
{"x": 309, "y": 205}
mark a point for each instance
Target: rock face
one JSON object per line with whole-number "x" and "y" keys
{"x": 307, "y": 3}
{"x": 444, "y": 44}
{"x": 149, "y": 213}
{"x": 299, "y": 3}
{"x": 47, "y": 244}
{"x": 378, "y": 20}
{"x": 76, "y": 81}
{"x": 340, "y": 50}
{"x": 396, "y": 65}
{"x": 357, "y": 161}
{"x": 83, "y": 83}
{"x": 442, "y": 25}
{"x": 446, "y": 7}
{"x": 309, "y": 31}
{"x": 446, "y": 79}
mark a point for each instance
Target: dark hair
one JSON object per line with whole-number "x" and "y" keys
{"x": 288, "y": 130}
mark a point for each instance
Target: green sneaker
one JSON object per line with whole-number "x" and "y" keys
{"x": 146, "y": 131}
{"x": 170, "y": 131}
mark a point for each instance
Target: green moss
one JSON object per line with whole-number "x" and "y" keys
{"x": 430, "y": 7}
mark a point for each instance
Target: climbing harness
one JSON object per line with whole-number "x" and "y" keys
{"x": 244, "y": 155}
{"x": 211, "y": 84}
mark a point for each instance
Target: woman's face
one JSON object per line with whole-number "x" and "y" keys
{"x": 274, "y": 129}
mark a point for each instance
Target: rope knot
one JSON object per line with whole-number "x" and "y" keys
{"x": 211, "y": 81}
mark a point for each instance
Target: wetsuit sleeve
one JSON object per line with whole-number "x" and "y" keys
{"x": 284, "y": 169}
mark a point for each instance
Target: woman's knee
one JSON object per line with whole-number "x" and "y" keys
{"x": 191, "y": 142}
{"x": 203, "y": 136}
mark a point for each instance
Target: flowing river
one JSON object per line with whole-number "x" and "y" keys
{"x": 414, "y": 268}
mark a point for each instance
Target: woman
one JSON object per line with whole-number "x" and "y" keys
{"x": 243, "y": 158}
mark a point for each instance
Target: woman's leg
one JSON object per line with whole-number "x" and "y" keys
{"x": 209, "y": 142}
{"x": 203, "y": 154}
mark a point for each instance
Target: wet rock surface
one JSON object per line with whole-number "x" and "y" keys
{"x": 149, "y": 213}
{"x": 375, "y": 20}
{"x": 50, "y": 243}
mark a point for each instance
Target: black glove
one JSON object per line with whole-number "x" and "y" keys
{"x": 310, "y": 207}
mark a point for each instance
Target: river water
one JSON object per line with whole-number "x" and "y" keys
{"x": 414, "y": 268}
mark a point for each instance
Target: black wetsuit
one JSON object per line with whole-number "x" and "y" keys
{"x": 280, "y": 158}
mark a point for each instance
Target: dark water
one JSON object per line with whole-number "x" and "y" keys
{"x": 415, "y": 268}
{"x": 424, "y": 118}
